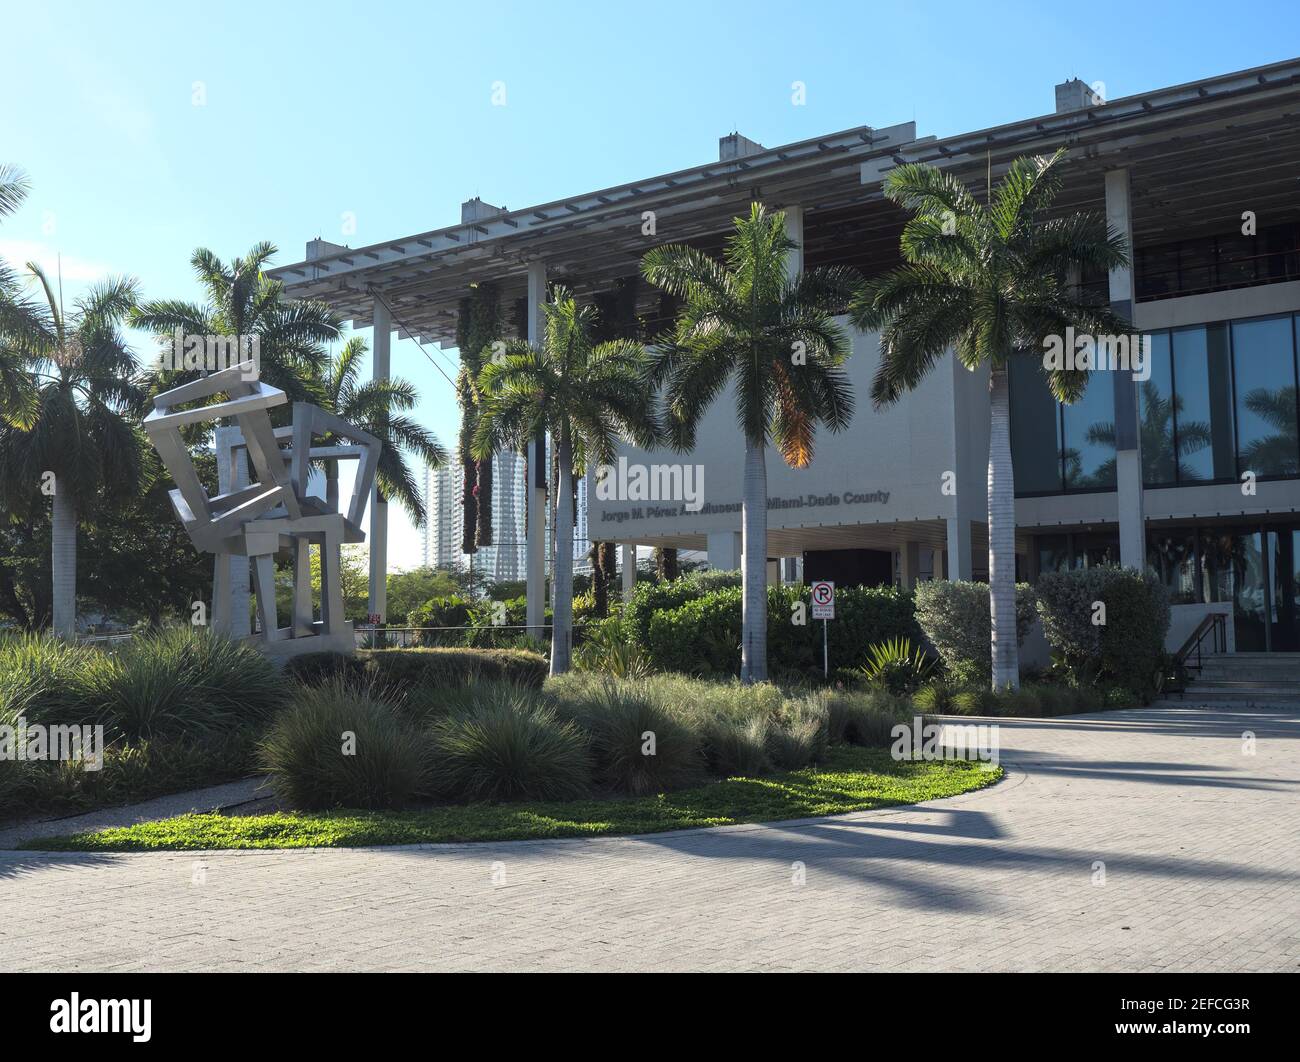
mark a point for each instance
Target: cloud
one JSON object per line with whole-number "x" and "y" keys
{"x": 75, "y": 270}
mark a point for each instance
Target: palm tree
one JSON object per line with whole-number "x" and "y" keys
{"x": 243, "y": 301}
{"x": 20, "y": 329}
{"x": 746, "y": 320}
{"x": 991, "y": 281}
{"x": 81, "y": 447}
{"x": 378, "y": 407}
{"x": 586, "y": 396}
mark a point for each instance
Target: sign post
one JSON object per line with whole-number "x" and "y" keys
{"x": 823, "y": 608}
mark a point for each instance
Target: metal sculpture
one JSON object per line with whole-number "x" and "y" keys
{"x": 274, "y": 512}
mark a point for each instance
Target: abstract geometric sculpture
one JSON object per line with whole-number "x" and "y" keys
{"x": 274, "y": 512}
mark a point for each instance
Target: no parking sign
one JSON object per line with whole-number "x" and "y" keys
{"x": 823, "y": 600}
{"x": 823, "y": 608}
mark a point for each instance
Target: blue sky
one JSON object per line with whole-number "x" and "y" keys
{"x": 383, "y": 110}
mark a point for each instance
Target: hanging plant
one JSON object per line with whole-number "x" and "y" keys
{"x": 478, "y": 326}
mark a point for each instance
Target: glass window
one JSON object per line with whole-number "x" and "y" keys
{"x": 1096, "y": 548}
{"x": 1035, "y": 448}
{"x": 1266, "y": 395}
{"x": 1203, "y": 385}
{"x": 1156, "y": 407}
{"x": 1089, "y": 436}
{"x": 1172, "y": 557}
{"x": 1053, "y": 553}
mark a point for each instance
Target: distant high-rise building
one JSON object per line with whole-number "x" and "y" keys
{"x": 443, "y": 491}
{"x": 504, "y": 560}
{"x": 507, "y": 558}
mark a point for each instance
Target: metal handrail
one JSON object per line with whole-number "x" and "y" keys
{"x": 1215, "y": 623}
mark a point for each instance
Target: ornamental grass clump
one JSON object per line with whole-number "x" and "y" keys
{"x": 338, "y": 745}
{"x": 509, "y": 745}
{"x": 638, "y": 744}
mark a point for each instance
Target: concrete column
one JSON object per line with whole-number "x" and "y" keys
{"x": 629, "y": 570}
{"x": 957, "y": 559}
{"x": 535, "y": 565}
{"x": 909, "y": 564}
{"x": 380, "y": 359}
{"x": 1128, "y": 437}
{"x": 794, "y": 229}
{"x": 724, "y": 550}
{"x": 230, "y": 592}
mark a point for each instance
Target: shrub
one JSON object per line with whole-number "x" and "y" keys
{"x": 802, "y": 734}
{"x": 864, "y": 718}
{"x": 315, "y": 764}
{"x": 894, "y": 666}
{"x": 1128, "y": 648}
{"x": 606, "y": 648}
{"x": 451, "y": 612}
{"x": 620, "y": 718}
{"x": 312, "y": 669}
{"x": 738, "y": 746}
{"x": 702, "y": 635}
{"x": 129, "y": 773}
{"x": 176, "y": 682}
{"x": 651, "y": 597}
{"x": 936, "y": 696}
{"x": 955, "y": 618}
{"x": 1119, "y": 697}
{"x": 44, "y": 679}
{"x": 977, "y": 701}
{"x": 397, "y": 668}
{"x": 509, "y": 746}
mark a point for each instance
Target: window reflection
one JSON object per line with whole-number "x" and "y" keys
{"x": 1221, "y": 400}
{"x": 1172, "y": 557}
{"x": 1088, "y": 427}
{"x": 1266, "y": 397}
{"x": 1202, "y": 376}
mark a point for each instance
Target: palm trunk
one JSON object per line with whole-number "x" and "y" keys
{"x": 753, "y": 643}
{"x": 1002, "y": 536}
{"x": 599, "y": 581}
{"x": 562, "y": 573}
{"x": 64, "y": 562}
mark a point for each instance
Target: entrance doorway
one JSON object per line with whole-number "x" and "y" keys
{"x": 1258, "y": 570}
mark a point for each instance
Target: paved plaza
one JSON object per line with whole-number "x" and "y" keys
{"x": 1137, "y": 840}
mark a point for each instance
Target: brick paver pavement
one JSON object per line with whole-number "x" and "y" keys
{"x": 1198, "y": 842}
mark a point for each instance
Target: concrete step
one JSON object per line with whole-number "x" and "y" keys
{"x": 1265, "y": 695}
{"x": 1215, "y": 702}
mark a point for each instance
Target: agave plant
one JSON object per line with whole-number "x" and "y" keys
{"x": 894, "y": 665}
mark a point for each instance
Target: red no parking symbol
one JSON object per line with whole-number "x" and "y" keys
{"x": 823, "y": 600}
